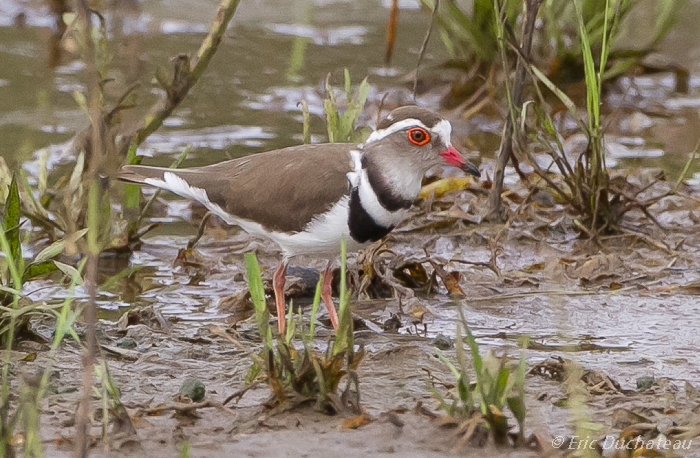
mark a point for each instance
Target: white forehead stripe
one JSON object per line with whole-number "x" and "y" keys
{"x": 397, "y": 126}
{"x": 442, "y": 128}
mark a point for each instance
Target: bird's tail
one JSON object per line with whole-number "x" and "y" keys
{"x": 187, "y": 182}
{"x": 140, "y": 173}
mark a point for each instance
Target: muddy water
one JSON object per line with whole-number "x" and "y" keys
{"x": 278, "y": 53}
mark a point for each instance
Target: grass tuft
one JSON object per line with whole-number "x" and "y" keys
{"x": 341, "y": 125}
{"x": 293, "y": 369}
{"x": 15, "y": 315}
{"x": 586, "y": 185}
{"x": 499, "y": 386}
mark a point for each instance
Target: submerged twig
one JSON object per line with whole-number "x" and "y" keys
{"x": 239, "y": 394}
{"x": 200, "y": 231}
{"x": 182, "y": 408}
{"x": 496, "y": 250}
{"x": 650, "y": 241}
{"x": 692, "y": 158}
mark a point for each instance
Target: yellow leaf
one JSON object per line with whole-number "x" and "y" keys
{"x": 441, "y": 187}
{"x": 356, "y": 422}
{"x": 533, "y": 267}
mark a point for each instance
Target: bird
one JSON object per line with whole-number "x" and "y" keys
{"x": 307, "y": 198}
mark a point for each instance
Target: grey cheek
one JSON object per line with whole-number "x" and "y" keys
{"x": 431, "y": 156}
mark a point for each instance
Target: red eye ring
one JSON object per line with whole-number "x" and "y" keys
{"x": 418, "y": 136}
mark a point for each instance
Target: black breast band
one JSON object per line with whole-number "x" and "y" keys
{"x": 363, "y": 228}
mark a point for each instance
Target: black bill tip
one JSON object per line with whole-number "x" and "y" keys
{"x": 471, "y": 169}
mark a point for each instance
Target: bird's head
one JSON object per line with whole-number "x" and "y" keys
{"x": 419, "y": 136}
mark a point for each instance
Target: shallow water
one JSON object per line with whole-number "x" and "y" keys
{"x": 278, "y": 53}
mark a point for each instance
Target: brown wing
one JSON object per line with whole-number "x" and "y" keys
{"x": 282, "y": 190}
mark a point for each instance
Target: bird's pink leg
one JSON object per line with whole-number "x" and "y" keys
{"x": 278, "y": 280}
{"x": 326, "y": 289}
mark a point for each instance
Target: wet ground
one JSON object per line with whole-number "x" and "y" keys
{"x": 627, "y": 309}
{"x": 628, "y": 314}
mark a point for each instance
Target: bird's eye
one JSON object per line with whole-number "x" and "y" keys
{"x": 418, "y": 136}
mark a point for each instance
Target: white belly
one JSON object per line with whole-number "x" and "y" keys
{"x": 322, "y": 235}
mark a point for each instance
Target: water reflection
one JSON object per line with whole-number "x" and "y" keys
{"x": 276, "y": 54}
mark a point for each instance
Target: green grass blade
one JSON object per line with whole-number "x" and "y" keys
{"x": 314, "y": 310}
{"x": 463, "y": 375}
{"x": 5, "y": 247}
{"x": 132, "y": 192}
{"x": 330, "y": 107}
{"x": 43, "y": 175}
{"x": 592, "y": 87}
{"x": 94, "y": 220}
{"x": 516, "y": 402}
{"x": 257, "y": 293}
{"x": 322, "y": 387}
{"x": 55, "y": 248}
{"x": 185, "y": 449}
{"x": 447, "y": 363}
{"x": 502, "y": 387}
{"x": 483, "y": 379}
{"x": 565, "y": 99}
{"x": 331, "y": 120}
{"x": 464, "y": 394}
{"x": 476, "y": 357}
{"x": 344, "y": 337}
{"x": 181, "y": 158}
{"x": 306, "y": 122}
{"x": 666, "y": 17}
{"x": 443, "y": 405}
{"x": 11, "y": 224}
{"x": 68, "y": 315}
{"x": 346, "y": 80}
{"x": 5, "y": 426}
{"x": 605, "y": 48}
{"x": 363, "y": 92}
{"x": 112, "y": 281}
{"x": 29, "y": 202}
{"x": 297, "y": 57}
{"x": 290, "y": 325}
{"x": 11, "y": 291}
{"x": 35, "y": 270}
{"x": 349, "y": 118}
{"x": 77, "y": 175}
{"x": 69, "y": 271}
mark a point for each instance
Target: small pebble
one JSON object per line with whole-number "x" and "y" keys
{"x": 392, "y": 324}
{"x": 644, "y": 383}
{"x": 442, "y": 342}
{"x": 193, "y": 389}
{"x": 127, "y": 342}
